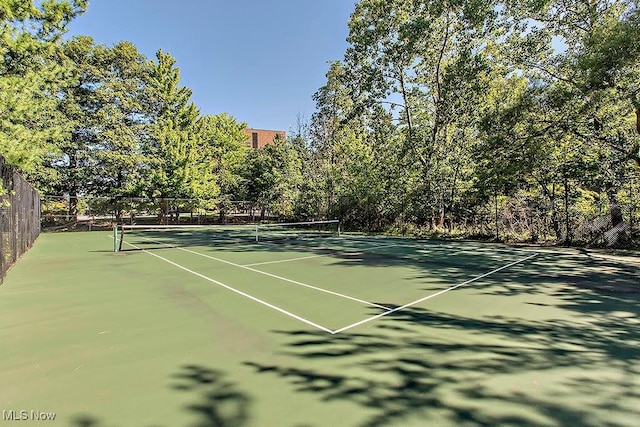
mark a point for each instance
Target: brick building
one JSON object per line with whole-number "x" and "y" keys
{"x": 258, "y": 138}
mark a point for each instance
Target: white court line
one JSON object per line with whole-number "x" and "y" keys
{"x": 283, "y": 260}
{"x": 281, "y": 310}
{"x": 277, "y": 277}
{"x": 337, "y": 331}
{"x": 321, "y": 255}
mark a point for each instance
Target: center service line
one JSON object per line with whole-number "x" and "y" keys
{"x": 337, "y": 331}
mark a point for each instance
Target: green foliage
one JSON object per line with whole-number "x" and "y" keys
{"x": 102, "y": 155}
{"x": 172, "y": 169}
{"x": 223, "y": 148}
{"x": 442, "y": 116}
{"x": 87, "y": 119}
{"x": 533, "y": 101}
{"x": 272, "y": 178}
{"x": 32, "y": 73}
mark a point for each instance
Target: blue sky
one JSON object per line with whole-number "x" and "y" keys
{"x": 260, "y": 61}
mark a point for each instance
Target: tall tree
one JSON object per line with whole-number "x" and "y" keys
{"x": 117, "y": 152}
{"x": 430, "y": 60}
{"x": 355, "y": 155}
{"x": 272, "y": 178}
{"x": 32, "y": 73}
{"x": 223, "y": 148}
{"x": 178, "y": 165}
{"x": 170, "y": 147}
{"x": 586, "y": 58}
{"x": 103, "y": 107}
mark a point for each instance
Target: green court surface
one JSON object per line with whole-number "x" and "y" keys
{"x": 339, "y": 331}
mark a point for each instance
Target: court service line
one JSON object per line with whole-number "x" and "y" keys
{"x": 337, "y": 331}
{"x": 279, "y": 277}
{"x": 283, "y": 260}
{"x": 258, "y": 300}
{"x": 321, "y": 255}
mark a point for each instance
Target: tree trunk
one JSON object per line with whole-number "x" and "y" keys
{"x": 555, "y": 222}
{"x": 73, "y": 186}
{"x": 496, "y": 218}
{"x": 164, "y": 208}
{"x": 635, "y": 149}
{"x": 616, "y": 212}
{"x": 617, "y": 233}
{"x": 567, "y": 239}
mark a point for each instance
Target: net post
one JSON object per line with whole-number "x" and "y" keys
{"x": 256, "y": 232}
{"x": 339, "y": 228}
{"x": 115, "y": 238}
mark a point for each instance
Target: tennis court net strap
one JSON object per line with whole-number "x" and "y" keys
{"x": 152, "y": 236}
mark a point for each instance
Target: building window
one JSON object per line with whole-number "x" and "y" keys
{"x": 254, "y": 140}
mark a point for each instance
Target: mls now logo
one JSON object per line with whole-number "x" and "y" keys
{"x": 24, "y": 415}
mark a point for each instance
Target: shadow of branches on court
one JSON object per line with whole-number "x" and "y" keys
{"x": 617, "y": 277}
{"x": 569, "y": 357}
{"x": 451, "y": 261}
{"x": 577, "y": 364}
{"x": 86, "y": 420}
{"x": 218, "y": 402}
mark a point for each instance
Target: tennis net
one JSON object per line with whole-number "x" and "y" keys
{"x": 143, "y": 237}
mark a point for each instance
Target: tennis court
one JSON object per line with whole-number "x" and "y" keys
{"x": 309, "y": 326}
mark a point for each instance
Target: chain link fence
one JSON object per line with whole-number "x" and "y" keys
{"x": 608, "y": 226}
{"x": 565, "y": 215}
{"x": 19, "y": 216}
{"x": 89, "y": 213}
